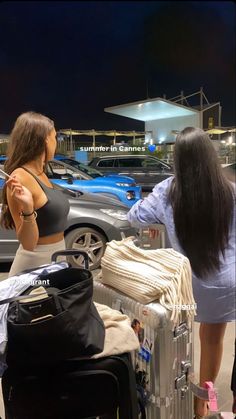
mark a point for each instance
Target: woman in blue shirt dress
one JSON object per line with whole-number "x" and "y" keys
{"x": 197, "y": 207}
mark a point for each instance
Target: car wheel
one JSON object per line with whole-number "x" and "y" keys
{"x": 89, "y": 240}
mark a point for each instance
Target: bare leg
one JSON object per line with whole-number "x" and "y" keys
{"x": 211, "y": 341}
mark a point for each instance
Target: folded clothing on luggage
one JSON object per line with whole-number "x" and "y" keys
{"x": 119, "y": 335}
{"x": 149, "y": 275}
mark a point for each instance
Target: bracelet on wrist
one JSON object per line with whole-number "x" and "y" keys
{"x": 25, "y": 216}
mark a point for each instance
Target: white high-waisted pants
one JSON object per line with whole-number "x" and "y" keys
{"x": 41, "y": 255}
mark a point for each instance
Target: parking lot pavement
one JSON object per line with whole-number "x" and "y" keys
{"x": 3, "y": 276}
{"x": 223, "y": 381}
{"x": 4, "y": 269}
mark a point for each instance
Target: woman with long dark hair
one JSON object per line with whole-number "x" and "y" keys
{"x": 197, "y": 207}
{"x": 31, "y": 206}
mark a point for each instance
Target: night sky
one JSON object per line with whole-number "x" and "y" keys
{"x": 70, "y": 60}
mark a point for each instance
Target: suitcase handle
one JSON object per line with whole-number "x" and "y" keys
{"x": 72, "y": 253}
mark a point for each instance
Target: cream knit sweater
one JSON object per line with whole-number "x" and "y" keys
{"x": 149, "y": 275}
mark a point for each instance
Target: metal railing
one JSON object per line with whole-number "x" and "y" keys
{"x": 158, "y": 240}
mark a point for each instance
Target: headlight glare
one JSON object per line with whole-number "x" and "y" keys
{"x": 118, "y": 214}
{"x": 125, "y": 185}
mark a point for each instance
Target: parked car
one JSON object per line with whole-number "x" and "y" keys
{"x": 145, "y": 169}
{"x": 230, "y": 171}
{"x": 93, "y": 220}
{"x": 86, "y": 179}
{"x": 122, "y": 188}
{"x": 2, "y": 160}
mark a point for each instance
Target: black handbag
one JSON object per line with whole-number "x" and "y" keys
{"x": 63, "y": 325}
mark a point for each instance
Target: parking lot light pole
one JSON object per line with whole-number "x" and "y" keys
{"x": 134, "y": 138}
{"x": 94, "y": 142}
{"x": 71, "y": 143}
{"x": 114, "y": 139}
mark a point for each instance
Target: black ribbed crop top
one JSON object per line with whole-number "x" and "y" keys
{"x": 52, "y": 216}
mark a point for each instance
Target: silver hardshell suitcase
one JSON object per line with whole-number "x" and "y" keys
{"x": 165, "y": 360}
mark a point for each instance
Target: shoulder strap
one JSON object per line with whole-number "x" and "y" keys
{"x": 36, "y": 178}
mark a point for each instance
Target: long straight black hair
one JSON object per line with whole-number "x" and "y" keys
{"x": 202, "y": 200}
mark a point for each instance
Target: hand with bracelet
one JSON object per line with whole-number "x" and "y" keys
{"x": 28, "y": 193}
{"x": 23, "y": 196}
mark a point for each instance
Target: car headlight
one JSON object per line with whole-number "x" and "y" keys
{"x": 118, "y": 214}
{"x": 126, "y": 185}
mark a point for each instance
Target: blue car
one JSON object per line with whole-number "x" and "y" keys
{"x": 83, "y": 178}
{"x": 2, "y": 160}
{"x": 79, "y": 177}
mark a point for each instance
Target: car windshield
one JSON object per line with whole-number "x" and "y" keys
{"x": 153, "y": 161}
{"x": 85, "y": 169}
